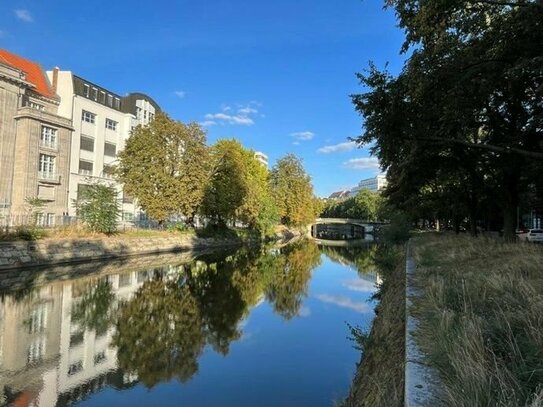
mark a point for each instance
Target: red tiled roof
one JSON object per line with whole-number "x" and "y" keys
{"x": 33, "y": 71}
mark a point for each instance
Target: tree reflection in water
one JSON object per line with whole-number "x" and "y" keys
{"x": 163, "y": 329}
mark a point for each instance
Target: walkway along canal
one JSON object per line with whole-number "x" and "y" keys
{"x": 242, "y": 327}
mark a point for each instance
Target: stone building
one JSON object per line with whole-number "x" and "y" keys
{"x": 34, "y": 143}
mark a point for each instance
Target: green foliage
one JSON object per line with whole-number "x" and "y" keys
{"x": 94, "y": 310}
{"x": 239, "y": 189}
{"x": 165, "y": 166}
{"x": 293, "y": 192}
{"x": 456, "y": 129}
{"x": 98, "y": 208}
{"x": 177, "y": 227}
{"x": 365, "y": 205}
{"x": 29, "y": 233}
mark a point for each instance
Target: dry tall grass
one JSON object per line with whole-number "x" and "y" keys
{"x": 482, "y": 318}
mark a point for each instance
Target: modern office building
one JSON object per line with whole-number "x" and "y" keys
{"x": 34, "y": 143}
{"x": 261, "y": 158}
{"x": 102, "y": 122}
{"x": 374, "y": 184}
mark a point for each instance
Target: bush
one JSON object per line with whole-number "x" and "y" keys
{"x": 98, "y": 208}
{"x": 29, "y": 233}
{"x": 177, "y": 227}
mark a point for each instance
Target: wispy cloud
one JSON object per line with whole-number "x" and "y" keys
{"x": 364, "y": 163}
{"x": 303, "y": 135}
{"x": 180, "y": 94}
{"x": 344, "y": 302}
{"x": 337, "y": 148}
{"x": 242, "y": 115}
{"x": 360, "y": 285}
{"x": 24, "y": 15}
{"x": 207, "y": 123}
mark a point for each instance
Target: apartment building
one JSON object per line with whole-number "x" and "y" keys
{"x": 34, "y": 143}
{"x": 374, "y": 184}
{"x": 262, "y": 158}
{"x": 102, "y": 122}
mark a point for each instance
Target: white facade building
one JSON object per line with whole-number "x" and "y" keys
{"x": 374, "y": 184}
{"x": 102, "y": 122}
{"x": 261, "y": 158}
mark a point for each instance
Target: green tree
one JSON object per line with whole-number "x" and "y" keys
{"x": 457, "y": 127}
{"x": 165, "y": 166}
{"x": 160, "y": 333}
{"x": 293, "y": 192}
{"x": 98, "y": 208}
{"x": 94, "y": 310}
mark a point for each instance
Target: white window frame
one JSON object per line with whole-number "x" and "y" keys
{"x": 88, "y": 117}
{"x": 47, "y": 166}
{"x": 111, "y": 124}
{"x": 48, "y": 137}
{"x": 86, "y": 90}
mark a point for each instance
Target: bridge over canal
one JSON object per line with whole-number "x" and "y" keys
{"x": 342, "y": 228}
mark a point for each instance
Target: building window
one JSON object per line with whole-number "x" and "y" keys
{"x": 75, "y": 368}
{"x": 138, "y": 113}
{"x": 36, "y": 106}
{"x": 85, "y": 167}
{"x": 108, "y": 171}
{"x": 88, "y": 117}
{"x": 99, "y": 358}
{"x": 128, "y": 216}
{"x": 86, "y": 90}
{"x": 94, "y": 94}
{"x": 48, "y": 137}
{"x": 111, "y": 124}
{"x": 102, "y": 96}
{"x": 38, "y": 319}
{"x": 110, "y": 149}
{"x": 127, "y": 199}
{"x": 36, "y": 350}
{"x": 117, "y": 103}
{"x": 109, "y": 100}
{"x": 86, "y": 143}
{"x": 47, "y": 166}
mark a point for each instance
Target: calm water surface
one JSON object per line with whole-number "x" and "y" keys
{"x": 262, "y": 327}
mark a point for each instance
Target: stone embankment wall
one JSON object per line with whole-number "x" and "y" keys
{"x": 15, "y": 255}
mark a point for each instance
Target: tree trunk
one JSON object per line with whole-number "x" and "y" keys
{"x": 510, "y": 204}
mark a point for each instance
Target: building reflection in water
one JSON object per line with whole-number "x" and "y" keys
{"x": 48, "y": 357}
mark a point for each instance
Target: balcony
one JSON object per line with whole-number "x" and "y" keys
{"x": 85, "y": 172}
{"x": 48, "y": 177}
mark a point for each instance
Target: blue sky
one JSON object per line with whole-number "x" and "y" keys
{"x": 277, "y": 75}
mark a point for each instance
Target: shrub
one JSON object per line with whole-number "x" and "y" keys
{"x": 98, "y": 208}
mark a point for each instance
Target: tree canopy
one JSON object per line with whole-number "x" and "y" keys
{"x": 165, "y": 166}
{"x": 459, "y": 129}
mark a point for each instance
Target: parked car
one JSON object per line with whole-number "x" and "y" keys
{"x": 532, "y": 235}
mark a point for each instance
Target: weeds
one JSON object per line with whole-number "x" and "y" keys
{"x": 481, "y": 318}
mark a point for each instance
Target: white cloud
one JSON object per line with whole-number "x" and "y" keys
{"x": 364, "y": 163}
{"x": 303, "y": 135}
{"x": 360, "y": 285}
{"x": 296, "y": 143}
{"x": 344, "y": 302}
{"x": 207, "y": 123}
{"x": 180, "y": 94}
{"x": 336, "y": 148}
{"x": 243, "y": 115}
{"x": 24, "y": 15}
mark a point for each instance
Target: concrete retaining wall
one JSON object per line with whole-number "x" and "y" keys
{"x": 15, "y": 255}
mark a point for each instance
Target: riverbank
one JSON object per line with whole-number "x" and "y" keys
{"x": 478, "y": 307}
{"x": 50, "y": 251}
{"x": 379, "y": 379}
{"x": 481, "y": 318}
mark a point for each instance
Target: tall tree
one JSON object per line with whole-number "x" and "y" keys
{"x": 466, "y": 109}
{"x": 293, "y": 192}
{"x": 165, "y": 166}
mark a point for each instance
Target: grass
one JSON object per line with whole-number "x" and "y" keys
{"x": 481, "y": 313}
{"x": 379, "y": 380}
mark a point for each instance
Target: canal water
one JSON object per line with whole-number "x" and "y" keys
{"x": 250, "y": 327}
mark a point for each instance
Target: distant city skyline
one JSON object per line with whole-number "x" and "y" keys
{"x": 250, "y": 71}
